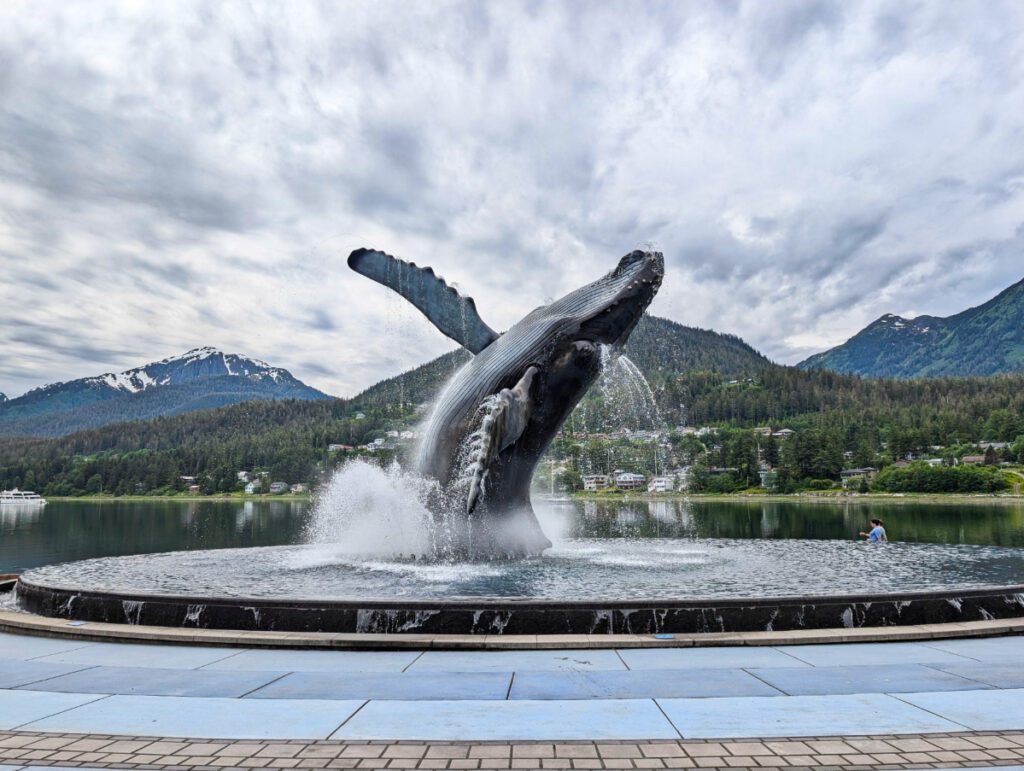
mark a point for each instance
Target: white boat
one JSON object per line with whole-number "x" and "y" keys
{"x": 18, "y": 497}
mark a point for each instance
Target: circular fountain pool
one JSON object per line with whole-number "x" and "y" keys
{"x": 580, "y": 586}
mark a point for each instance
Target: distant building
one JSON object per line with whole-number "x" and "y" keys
{"x": 252, "y": 488}
{"x": 278, "y": 487}
{"x": 784, "y": 433}
{"x": 763, "y": 430}
{"x": 195, "y": 489}
{"x": 993, "y": 445}
{"x": 629, "y": 481}
{"x": 338, "y": 448}
{"x": 717, "y": 471}
{"x": 972, "y": 460}
{"x": 187, "y": 479}
{"x": 244, "y": 476}
{"x": 408, "y": 435}
{"x": 661, "y": 485}
{"x": 687, "y": 430}
{"x": 769, "y": 478}
{"x": 300, "y": 488}
{"x": 592, "y": 482}
{"x": 854, "y": 476}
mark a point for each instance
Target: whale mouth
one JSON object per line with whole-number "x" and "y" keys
{"x": 627, "y": 291}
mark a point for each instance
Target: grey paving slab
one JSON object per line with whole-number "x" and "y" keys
{"x": 200, "y": 718}
{"x": 508, "y": 721}
{"x": 881, "y": 678}
{"x": 18, "y": 707}
{"x": 685, "y": 658}
{"x": 135, "y": 655}
{"x": 856, "y": 714}
{"x": 13, "y": 768}
{"x": 984, "y": 649}
{"x": 14, "y": 673}
{"x": 156, "y": 682}
{"x": 514, "y": 661}
{"x": 640, "y": 684}
{"x": 317, "y": 661}
{"x": 852, "y": 654}
{"x": 23, "y": 646}
{"x": 1009, "y": 674}
{"x": 989, "y": 710}
{"x": 439, "y": 686}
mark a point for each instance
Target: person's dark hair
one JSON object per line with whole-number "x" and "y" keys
{"x": 877, "y": 522}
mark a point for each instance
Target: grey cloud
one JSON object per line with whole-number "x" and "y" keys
{"x": 196, "y": 174}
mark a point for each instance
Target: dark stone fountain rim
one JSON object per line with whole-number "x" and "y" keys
{"x": 498, "y": 602}
{"x": 529, "y": 617}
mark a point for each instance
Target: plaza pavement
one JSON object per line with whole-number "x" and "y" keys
{"x": 69, "y": 702}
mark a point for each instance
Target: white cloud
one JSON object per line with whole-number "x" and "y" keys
{"x": 190, "y": 173}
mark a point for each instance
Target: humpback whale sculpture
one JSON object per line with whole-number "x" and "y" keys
{"x": 495, "y": 417}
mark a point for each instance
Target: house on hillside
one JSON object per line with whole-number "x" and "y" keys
{"x": 626, "y": 480}
{"x": 784, "y": 433}
{"x": 299, "y": 487}
{"x": 973, "y": 460}
{"x": 853, "y": 477}
{"x": 763, "y": 430}
{"x": 278, "y": 487}
{"x": 594, "y": 482}
{"x": 661, "y": 485}
{"x": 252, "y": 488}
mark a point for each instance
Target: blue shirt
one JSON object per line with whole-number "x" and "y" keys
{"x": 877, "y": 534}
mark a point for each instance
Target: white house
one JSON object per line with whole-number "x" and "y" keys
{"x": 661, "y": 485}
{"x": 592, "y": 482}
{"x": 628, "y": 481}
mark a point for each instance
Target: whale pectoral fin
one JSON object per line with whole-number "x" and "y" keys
{"x": 449, "y": 311}
{"x": 507, "y": 414}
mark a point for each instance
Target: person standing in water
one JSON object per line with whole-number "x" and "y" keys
{"x": 877, "y": 532}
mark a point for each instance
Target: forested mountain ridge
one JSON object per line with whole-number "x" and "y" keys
{"x": 985, "y": 340}
{"x": 659, "y": 347}
{"x": 202, "y": 378}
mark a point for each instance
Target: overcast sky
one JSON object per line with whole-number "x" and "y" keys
{"x": 175, "y": 175}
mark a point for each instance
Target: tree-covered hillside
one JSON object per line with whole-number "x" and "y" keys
{"x": 659, "y": 347}
{"x": 985, "y": 340}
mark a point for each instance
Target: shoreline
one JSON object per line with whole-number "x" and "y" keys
{"x": 859, "y": 498}
{"x": 219, "y": 497}
{"x": 889, "y": 498}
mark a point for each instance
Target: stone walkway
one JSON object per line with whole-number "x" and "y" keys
{"x": 971, "y": 750}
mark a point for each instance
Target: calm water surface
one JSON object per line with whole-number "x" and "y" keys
{"x": 74, "y": 530}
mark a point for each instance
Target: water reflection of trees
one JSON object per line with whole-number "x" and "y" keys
{"x": 69, "y": 530}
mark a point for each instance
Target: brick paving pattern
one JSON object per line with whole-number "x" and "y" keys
{"x": 955, "y": 750}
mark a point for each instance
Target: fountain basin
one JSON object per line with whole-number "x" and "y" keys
{"x": 586, "y": 586}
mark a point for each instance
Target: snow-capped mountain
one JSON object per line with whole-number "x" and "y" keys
{"x": 199, "y": 379}
{"x": 195, "y": 364}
